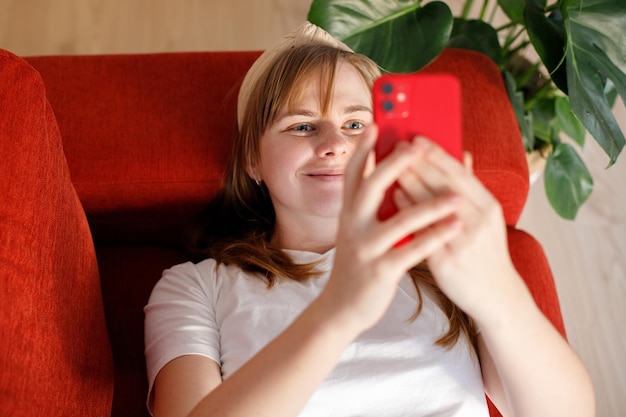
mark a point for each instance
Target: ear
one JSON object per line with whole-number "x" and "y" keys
{"x": 253, "y": 172}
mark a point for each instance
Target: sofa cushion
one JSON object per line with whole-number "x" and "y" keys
{"x": 55, "y": 358}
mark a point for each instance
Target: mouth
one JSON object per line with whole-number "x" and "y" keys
{"x": 327, "y": 175}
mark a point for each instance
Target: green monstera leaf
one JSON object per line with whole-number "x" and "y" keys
{"x": 568, "y": 121}
{"x": 595, "y": 53}
{"x": 567, "y": 181}
{"x": 478, "y": 36}
{"x": 524, "y": 118}
{"x": 400, "y": 36}
{"x": 581, "y": 43}
{"x": 544, "y": 119}
{"x": 514, "y": 9}
{"x": 547, "y": 35}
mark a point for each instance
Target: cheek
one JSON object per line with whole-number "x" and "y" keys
{"x": 279, "y": 161}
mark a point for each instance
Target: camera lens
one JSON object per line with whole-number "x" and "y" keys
{"x": 387, "y": 88}
{"x": 387, "y": 105}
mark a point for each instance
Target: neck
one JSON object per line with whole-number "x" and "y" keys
{"x": 306, "y": 235}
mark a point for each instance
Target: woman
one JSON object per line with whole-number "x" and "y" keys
{"x": 304, "y": 307}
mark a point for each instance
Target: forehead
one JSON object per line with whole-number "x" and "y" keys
{"x": 322, "y": 85}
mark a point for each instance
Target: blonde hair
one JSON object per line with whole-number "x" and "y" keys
{"x": 242, "y": 235}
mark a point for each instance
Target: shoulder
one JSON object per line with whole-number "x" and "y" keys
{"x": 187, "y": 280}
{"x": 184, "y": 276}
{"x": 204, "y": 279}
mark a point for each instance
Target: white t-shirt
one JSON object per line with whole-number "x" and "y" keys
{"x": 392, "y": 370}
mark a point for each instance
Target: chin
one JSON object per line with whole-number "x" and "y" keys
{"x": 326, "y": 200}
{"x": 326, "y": 208}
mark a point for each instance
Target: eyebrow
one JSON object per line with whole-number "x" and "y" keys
{"x": 357, "y": 108}
{"x": 304, "y": 112}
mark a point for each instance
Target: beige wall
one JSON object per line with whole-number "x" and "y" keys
{"x": 588, "y": 256}
{"x": 32, "y": 27}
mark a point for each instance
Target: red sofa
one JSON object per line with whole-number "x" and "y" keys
{"x": 105, "y": 161}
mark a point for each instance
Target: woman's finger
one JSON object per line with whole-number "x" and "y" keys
{"x": 429, "y": 241}
{"x": 442, "y": 173}
{"x": 414, "y": 219}
{"x": 355, "y": 169}
{"x": 384, "y": 175}
{"x": 414, "y": 187}
{"x": 401, "y": 199}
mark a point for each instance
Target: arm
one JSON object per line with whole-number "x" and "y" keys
{"x": 528, "y": 368}
{"x": 276, "y": 382}
{"x": 182, "y": 383}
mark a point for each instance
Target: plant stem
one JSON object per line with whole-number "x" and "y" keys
{"x": 527, "y": 75}
{"x": 518, "y": 48}
{"x": 546, "y": 90}
{"x": 508, "y": 25}
{"x": 466, "y": 8}
{"x": 493, "y": 14}
{"x": 511, "y": 37}
{"x": 483, "y": 10}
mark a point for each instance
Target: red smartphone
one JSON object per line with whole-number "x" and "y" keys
{"x": 415, "y": 104}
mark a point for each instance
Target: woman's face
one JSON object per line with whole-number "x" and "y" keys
{"x": 303, "y": 154}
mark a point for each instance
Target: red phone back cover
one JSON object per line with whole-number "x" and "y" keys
{"x": 423, "y": 105}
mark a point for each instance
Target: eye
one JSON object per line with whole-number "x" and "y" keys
{"x": 303, "y": 128}
{"x": 355, "y": 125}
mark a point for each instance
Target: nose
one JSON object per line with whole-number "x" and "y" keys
{"x": 332, "y": 143}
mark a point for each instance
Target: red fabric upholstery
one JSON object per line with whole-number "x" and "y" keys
{"x": 55, "y": 358}
{"x": 489, "y": 128}
{"x": 531, "y": 263}
{"x": 145, "y": 137}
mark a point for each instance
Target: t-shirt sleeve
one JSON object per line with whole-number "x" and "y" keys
{"x": 180, "y": 319}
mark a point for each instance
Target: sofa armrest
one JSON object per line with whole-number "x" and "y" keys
{"x": 55, "y": 355}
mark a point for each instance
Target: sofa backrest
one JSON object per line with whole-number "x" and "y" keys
{"x": 147, "y": 133}
{"x": 146, "y": 136}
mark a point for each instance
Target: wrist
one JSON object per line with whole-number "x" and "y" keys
{"x": 338, "y": 321}
{"x": 510, "y": 321}
{"x": 512, "y": 305}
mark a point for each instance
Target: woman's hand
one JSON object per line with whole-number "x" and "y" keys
{"x": 528, "y": 368}
{"x": 368, "y": 266}
{"x": 475, "y": 265}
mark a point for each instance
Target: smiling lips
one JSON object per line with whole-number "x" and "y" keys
{"x": 327, "y": 174}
